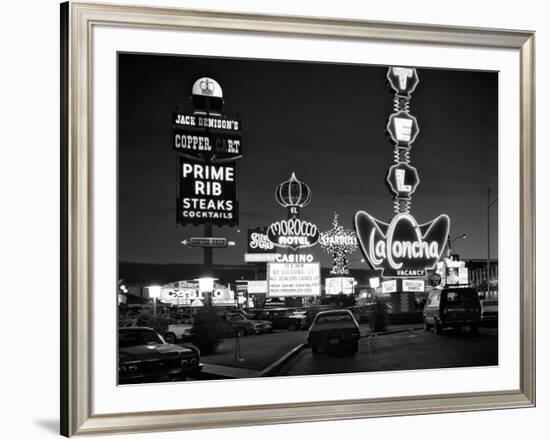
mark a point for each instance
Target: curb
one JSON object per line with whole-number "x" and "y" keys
{"x": 393, "y": 331}
{"x": 280, "y": 362}
{"x": 217, "y": 371}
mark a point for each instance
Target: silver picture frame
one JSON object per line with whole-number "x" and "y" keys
{"x": 77, "y": 23}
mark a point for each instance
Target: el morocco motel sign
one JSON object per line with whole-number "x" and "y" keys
{"x": 402, "y": 247}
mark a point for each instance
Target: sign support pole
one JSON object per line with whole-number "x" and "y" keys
{"x": 208, "y": 250}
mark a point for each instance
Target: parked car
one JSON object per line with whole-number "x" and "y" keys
{"x": 283, "y": 318}
{"x": 489, "y": 311}
{"x": 179, "y": 332}
{"x": 144, "y": 356}
{"x": 234, "y": 324}
{"x": 312, "y": 311}
{"x": 452, "y": 307}
{"x": 332, "y": 329}
{"x": 261, "y": 326}
{"x": 361, "y": 313}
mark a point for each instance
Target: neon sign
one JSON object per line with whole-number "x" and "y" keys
{"x": 293, "y": 233}
{"x": 205, "y": 132}
{"x": 258, "y": 242}
{"x": 338, "y": 242}
{"x": 207, "y": 193}
{"x": 402, "y": 179}
{"x": 402, "y": 247}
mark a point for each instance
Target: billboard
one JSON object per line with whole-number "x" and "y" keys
{"x": 293, "y": 279}
{"x": 207, "y": 193}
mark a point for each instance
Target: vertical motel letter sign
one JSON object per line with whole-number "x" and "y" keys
{"x": 402, "y": 247}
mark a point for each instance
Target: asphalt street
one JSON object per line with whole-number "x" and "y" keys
{"x": 408, "y": 350}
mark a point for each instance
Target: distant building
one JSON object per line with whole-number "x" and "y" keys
{"x": 477, "y": 276}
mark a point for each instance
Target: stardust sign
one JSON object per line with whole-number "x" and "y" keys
{"x": 288, "y": 280}
{"x": 403, "y": 247}
{"x": 207, "y": 193}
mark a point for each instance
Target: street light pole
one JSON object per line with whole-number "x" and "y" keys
{"x": 450, "y": 242}
{"x": 154, "y": 293}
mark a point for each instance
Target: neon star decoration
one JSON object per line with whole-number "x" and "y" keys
{"x": 338, "y": 242}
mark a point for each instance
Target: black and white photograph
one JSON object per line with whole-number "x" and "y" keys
{"x": 283, "y": 218}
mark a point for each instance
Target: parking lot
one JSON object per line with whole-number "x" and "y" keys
{"x": 408, "y": 350}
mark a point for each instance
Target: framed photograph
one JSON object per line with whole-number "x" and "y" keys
{"x": 274, "y": 219}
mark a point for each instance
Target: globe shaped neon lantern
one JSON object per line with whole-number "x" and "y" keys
{"x": 293, "y": 193}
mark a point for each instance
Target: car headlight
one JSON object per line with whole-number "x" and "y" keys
{"x": 189, "y": 361}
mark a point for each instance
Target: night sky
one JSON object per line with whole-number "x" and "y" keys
{"x": 326, "y": 123}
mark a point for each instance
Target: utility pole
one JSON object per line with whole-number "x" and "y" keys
{"x": 489, "y": 204}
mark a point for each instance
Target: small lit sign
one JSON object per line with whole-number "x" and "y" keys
{"x": 278, "y": 257}
{"x": 413, "y": 285}
{"x": 434, "y": 280}
{"x": 463, "y": 275}
{"x": 456, "y": 275}
{"x": 339, "y": 285}
{"x": 389, "y": 286}
{"x": 374, "y": 282}
{"x": 205, "y": 241}
{"x": 257, "y": 287}
{"x": 260, "y": 257}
